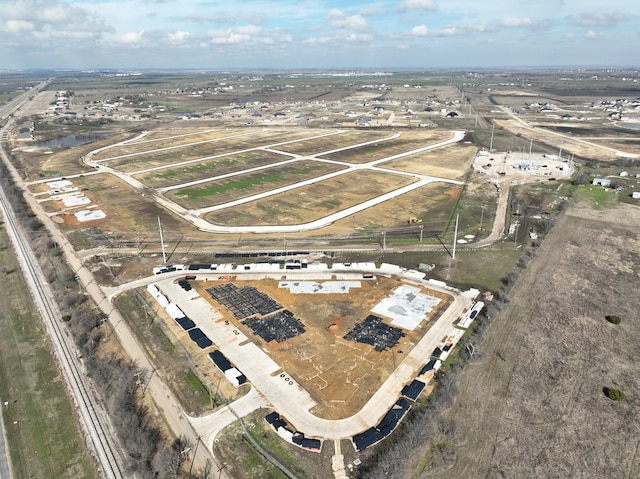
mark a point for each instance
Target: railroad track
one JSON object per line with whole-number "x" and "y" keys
{"x": 93, "y": 418}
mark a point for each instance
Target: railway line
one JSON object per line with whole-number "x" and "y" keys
{"x": 92, "y": 416}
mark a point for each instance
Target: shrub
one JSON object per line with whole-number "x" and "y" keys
{"x": 614, "y": 394}
{"x": 613, "y": 319}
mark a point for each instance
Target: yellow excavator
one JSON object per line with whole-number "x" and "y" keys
{"x": 413, "y": 220}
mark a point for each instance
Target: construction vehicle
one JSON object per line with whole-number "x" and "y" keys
{"x": 413, "y": 220}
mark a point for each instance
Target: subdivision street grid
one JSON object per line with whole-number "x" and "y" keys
{"x": 195, "y": 215}
{"x": 289, "y": 398}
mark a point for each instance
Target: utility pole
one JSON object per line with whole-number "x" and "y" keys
{"x": 193, "y": 459}
{"x": 421, "y": 231}
{"x": 560, "y": 152}
{"x": 164, "y": 256}
{"x": 148, "y": 381}
{"x": 455, "y": 238}
{"x": 481, "y": 215}
{"x": 384, "y": 240}
{"x": 491, "y": 143}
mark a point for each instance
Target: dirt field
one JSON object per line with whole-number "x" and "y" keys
{"x": 407, "y": 141}
{"x": 533, "y": 406}
{"x": 312, "y": 202}
{"x": 452, "y": 163}
{"x": 339, "y": 374}
{"x": 327, "y": 143}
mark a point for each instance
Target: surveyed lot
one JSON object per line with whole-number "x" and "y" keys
{"x": 315, "y": 201}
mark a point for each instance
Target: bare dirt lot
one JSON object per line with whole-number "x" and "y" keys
{"x": 327, "y": 143}
{"x": 450, "y": 164}
{"x": 340, "y": 374}
{"x": 407, "y": 141}
{"x": 533, "y": 406}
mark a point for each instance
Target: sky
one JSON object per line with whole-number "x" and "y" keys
{"x": 323, "y": 34}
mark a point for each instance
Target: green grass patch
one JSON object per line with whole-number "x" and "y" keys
{"x": 614, "y": 394}
{"x": 613, "y": 319}
{"x": 197, "y": 193}
{"x": 43, "y": 439}
{"x": 198, "y": 388}
{"x": 598, "y": 197}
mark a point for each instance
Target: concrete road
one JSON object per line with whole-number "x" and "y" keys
{"x": 5, "y": 459}
{"x": 284, "y": 394}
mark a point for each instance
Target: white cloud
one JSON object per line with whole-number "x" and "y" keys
{"x": 449, "y": 32}
{"x": 426, "y": 5}
{"x": 220, "y": 37}
{"x": 315, "y": 41}
{"x": 278, "y": 39}
{"x": 248, "y": 30}
{"x": 526, "y": 22}
{"x": 517, "y": 22}
{"x": 420, "y": 31}
{"x": 38, "y": 20}
{"x": 359, "y": 37}
{"x": 15, "y": 26}
{"x": 591, "y": 35}
{"x": 178, "y": 37}
{"x": 339, "y": 19}
{"x": 598, "y": 19}
{"x": 129, "y": 38}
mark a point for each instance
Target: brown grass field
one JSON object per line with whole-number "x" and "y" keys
{"x": 533, "y": 405}
{"x": 311, "y": 202}
{"x": 145, "y": 155}
{"x": 407, "y": 141}
{"x": 332, "y": 142}
{"x": 178, "y": 174}
{"x": 340, "y": 375}
{"x": 451, "y": 165}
